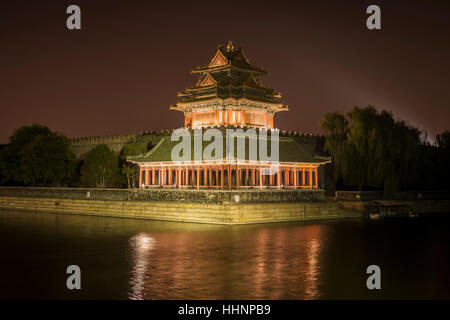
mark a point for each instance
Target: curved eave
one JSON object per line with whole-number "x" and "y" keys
{"x": 228, "y": 162}
{"x": 207, "y": 68}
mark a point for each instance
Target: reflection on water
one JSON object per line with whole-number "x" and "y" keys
{"x": 141, "y": 244}
{"x": 259, "y": 263}
{"x": 138, "y": 259}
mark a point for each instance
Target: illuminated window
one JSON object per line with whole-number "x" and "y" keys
{"x": 234, "y": 117}
{"x": 220, "y": 116}
{"x": 239, "y": 117}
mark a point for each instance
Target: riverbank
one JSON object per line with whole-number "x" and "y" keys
{"x": 410, "y": 203}
{"x": 202, "y": 206}
{"x": 214, "y": 206}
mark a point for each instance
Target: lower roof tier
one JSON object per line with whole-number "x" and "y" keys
{"x": 290, "y": 150}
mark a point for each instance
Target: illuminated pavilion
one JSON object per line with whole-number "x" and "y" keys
{"x": 228, "y": 94}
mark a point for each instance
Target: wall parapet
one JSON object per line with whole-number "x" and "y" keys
{"x": 377, "y": 195}
{"x": 169, "y": 195}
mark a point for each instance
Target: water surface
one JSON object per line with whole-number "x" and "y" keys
{"x": 142, "y": 259}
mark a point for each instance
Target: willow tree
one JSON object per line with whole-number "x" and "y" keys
{"x": 372, "y": 149}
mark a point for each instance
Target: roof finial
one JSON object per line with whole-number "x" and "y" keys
{"x": 230, "y": 46}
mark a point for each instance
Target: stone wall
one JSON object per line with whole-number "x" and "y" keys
{"x": 358, "y": 195}
{"x": 169, "y": 195}
{"x": 242, "y": 213}
{"x": 81, "y": 146}
{"x": 205, "y": 206}
{"x": 377, "y": 195}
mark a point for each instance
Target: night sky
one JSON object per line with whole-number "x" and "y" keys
{"x": 123, "y": 69}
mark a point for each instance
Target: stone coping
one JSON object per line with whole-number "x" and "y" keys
{"x": 169, "y": 195}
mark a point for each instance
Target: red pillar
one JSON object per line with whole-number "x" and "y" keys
{"x": 260, "y": 178}
{"x": 210, "y": 176}
{"x": 310, "y": 178}
{"x": 147, "y": 177}
{"x": 279, "y": 178}
{"x": 317, "y": 178}
{"x": 140, "y": 177}
{"x": 238, "y": 177}
{"x": 271, "y": 179}
{"x": 198, "y": 178}
{"x": 295, "y": 178}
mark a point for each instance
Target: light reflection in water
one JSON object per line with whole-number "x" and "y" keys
{"x": 160, "y": 260}
{"x": 286, "y": 262}
{"x": 313, "y": 269}
{"x": 262, "y": 262}
{"x": 142, "y": 245}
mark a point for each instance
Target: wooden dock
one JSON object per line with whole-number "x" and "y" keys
{"x": 388, "y": 208}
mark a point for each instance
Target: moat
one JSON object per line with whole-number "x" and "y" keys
{"x": 142, "y": 259}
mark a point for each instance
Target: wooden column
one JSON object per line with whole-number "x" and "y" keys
{"x": 210, "y": 176}
{"x": 205, "y": 176}
{"x": 295, "y": 178}
{"x": 198, "y": 178}
{"x": 303, "y": 177}
{"x": 140, "y": 177}
{"x": 317, "y": 178}
{"x": 153, "y": 176}
{"x": 229, "y": 176}
{"x": 221, "y": 177}
{"x": 310, "y": 178}
{"x": 260, "y": 178}
{"x": 270, "y": 179}
{"x": 147, "y": 177}
{"x": 179, "y": 177}
{"x": 279, "y": 178}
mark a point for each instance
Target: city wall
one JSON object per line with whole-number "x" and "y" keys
{"x": 205, "y": 206}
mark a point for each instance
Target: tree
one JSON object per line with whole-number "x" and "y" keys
{"x": 335, "y": 127}
{"x": 101, "y": 168}
{"x": 128, "y": 169}
{"x": 138, "y": 146}
{"x": 371, "y": 149}
{"x": 36, "y": 156}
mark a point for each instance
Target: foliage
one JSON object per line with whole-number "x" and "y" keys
{"x": 101, "y": 168}
{"x": 138, "y": 146}
{"x": 36, "y": 156}
{"x": 371, "y": 149}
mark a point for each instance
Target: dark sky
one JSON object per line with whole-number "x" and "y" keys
{"x": 123, "y": 69}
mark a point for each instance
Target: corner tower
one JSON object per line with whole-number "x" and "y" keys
{"x": 228, "y": 92}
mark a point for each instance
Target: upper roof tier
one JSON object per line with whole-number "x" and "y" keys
{"x": 229, "y": 75}
{"x": 229, "y": 57}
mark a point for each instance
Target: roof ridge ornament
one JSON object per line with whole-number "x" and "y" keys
{"x": 230, "y": 46}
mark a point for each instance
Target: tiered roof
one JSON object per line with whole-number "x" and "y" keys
{"x": 230, "y": 75}
{"x": 290, "y": 150}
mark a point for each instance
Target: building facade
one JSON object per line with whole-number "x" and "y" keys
{"x": 228, "y": 94}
